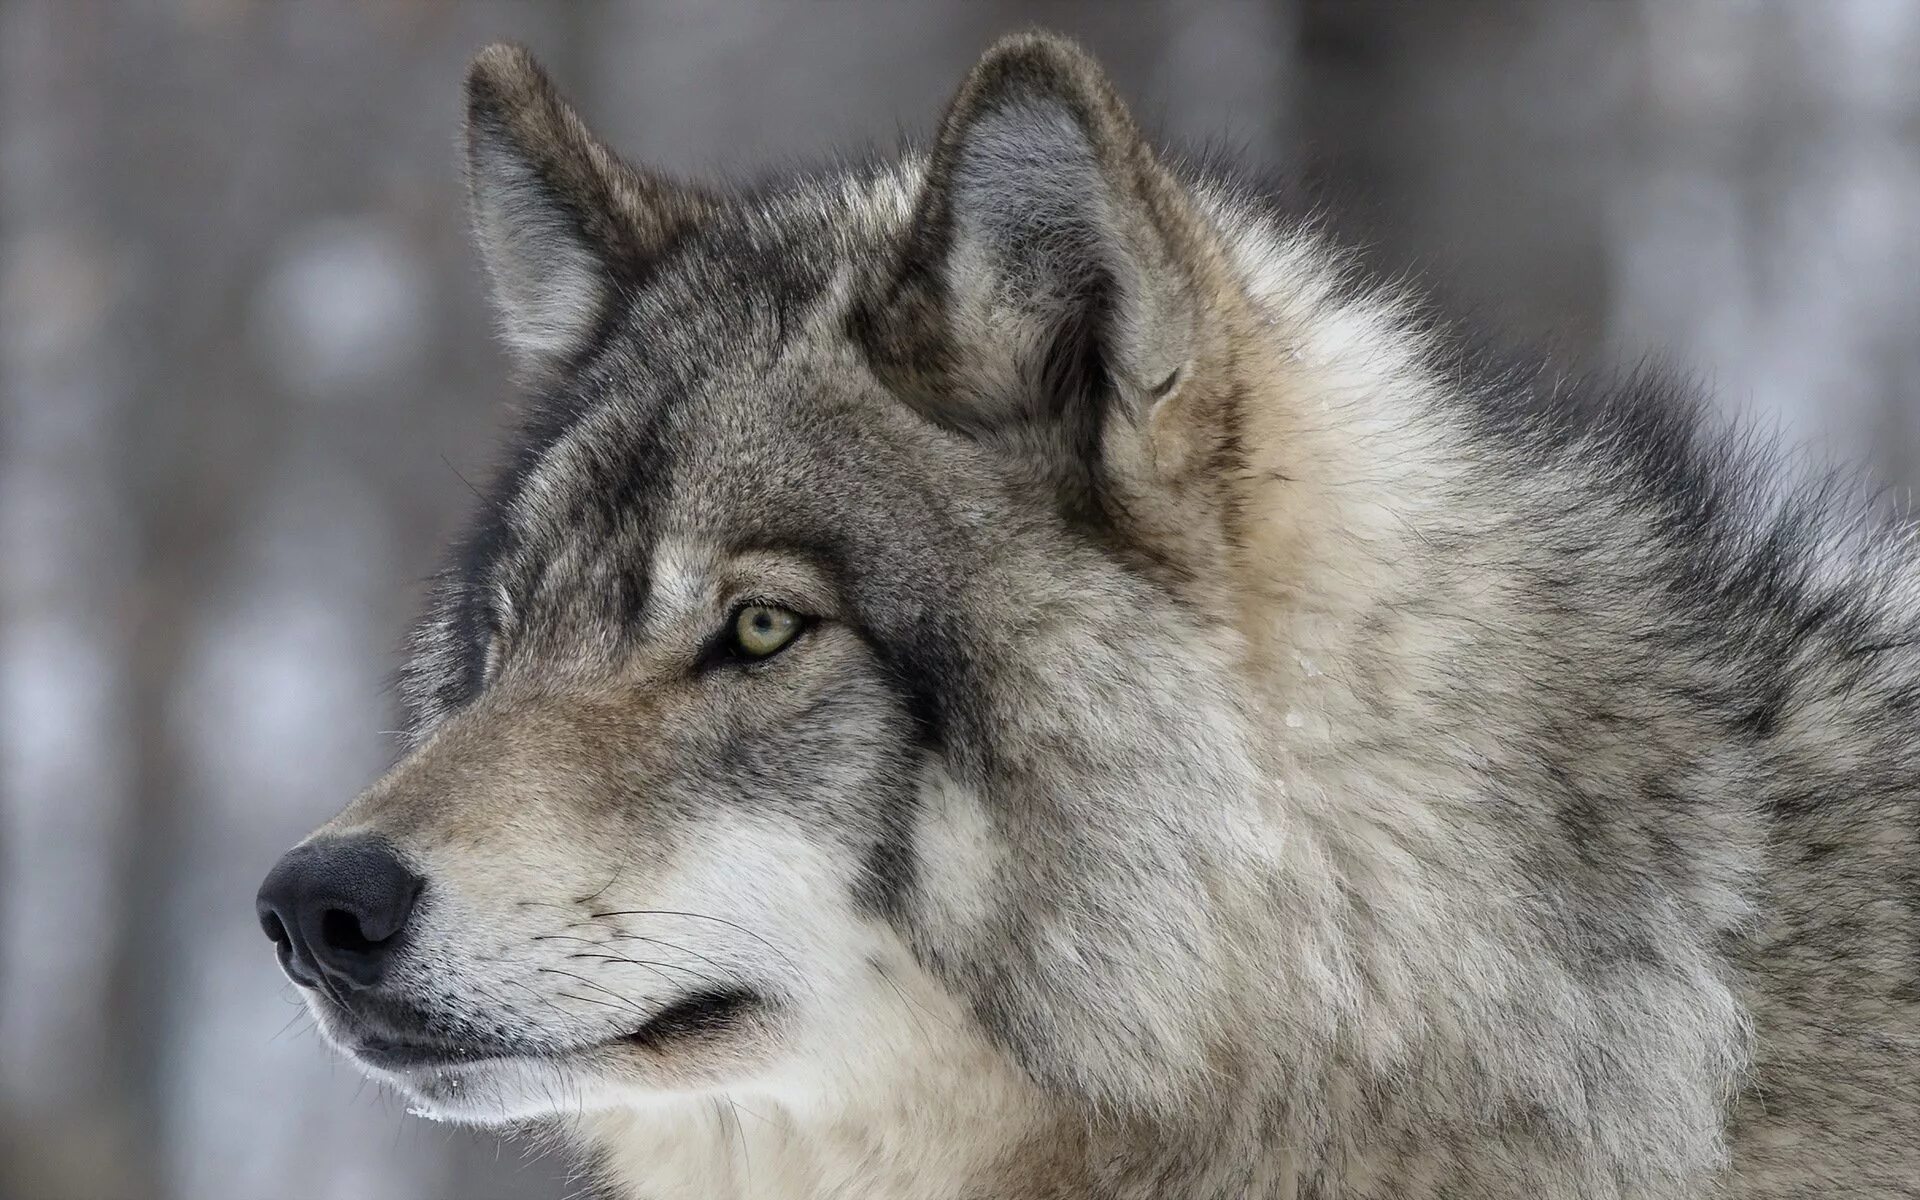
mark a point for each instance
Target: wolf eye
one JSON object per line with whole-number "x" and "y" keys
{"x": 762, "y": 630}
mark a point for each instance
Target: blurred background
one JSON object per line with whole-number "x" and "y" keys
{"x": 244, "y": 363}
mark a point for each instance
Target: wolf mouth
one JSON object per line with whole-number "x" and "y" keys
{"x": 708, "y": 1013}
{"x": 400, "y": 1054}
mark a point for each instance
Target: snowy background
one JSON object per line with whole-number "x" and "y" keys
{"x": 243, "y": 354}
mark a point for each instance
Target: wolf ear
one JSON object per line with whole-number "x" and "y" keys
{"x": 1046, "y": 268}
{"x": 564, "y": 227}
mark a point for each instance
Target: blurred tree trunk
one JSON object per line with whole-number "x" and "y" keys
{"x": 72, "y": 329}
{"x": 1769, "y": 228}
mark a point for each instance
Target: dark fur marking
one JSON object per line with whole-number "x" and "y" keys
{"x": 704, "y": 1014}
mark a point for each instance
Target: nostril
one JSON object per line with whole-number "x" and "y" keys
{"x": 285, "y": 950}
{"x": 342, "y": 931}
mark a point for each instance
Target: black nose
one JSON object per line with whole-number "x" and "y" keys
{"x": 335, "y": 910}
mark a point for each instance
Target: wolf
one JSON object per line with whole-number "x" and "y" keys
{"x": 1021, "y": 671}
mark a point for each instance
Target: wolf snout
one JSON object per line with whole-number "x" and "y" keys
{"x": 336, "y": 910}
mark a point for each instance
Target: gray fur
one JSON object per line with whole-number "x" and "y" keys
{"x": 1245, "y": 745}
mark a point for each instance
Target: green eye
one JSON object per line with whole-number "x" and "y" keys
{"x": 760, "y": 630}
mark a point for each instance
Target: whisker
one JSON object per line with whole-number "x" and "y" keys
{"x": 670, "y": 912}
{"x": 291, "y": 1022}
{"x": 611, "y": 880}
{"x": 678, "y": 949}
{"x": 588, "y": 1000}
{"x": 597, "y": 987}
{"x": 643, "y": 962}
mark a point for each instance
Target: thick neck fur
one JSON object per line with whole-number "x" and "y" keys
{"x": 1427, "y": 976}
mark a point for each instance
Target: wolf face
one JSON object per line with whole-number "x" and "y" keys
{"x": 1021, "y": 664}
{"x": 833, "y": 636}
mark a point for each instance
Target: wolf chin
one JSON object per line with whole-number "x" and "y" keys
{"x": 1019, "y": 673}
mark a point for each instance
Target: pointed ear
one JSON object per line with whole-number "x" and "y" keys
{"x": 564, "y": 227}
{"x": 1047, "y": 269}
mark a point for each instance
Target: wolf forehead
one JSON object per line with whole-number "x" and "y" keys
{"x": 719, "y": 402}
{"x": 808, "y": 363}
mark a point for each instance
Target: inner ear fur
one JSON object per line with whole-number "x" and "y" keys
{"x": 562, "y": 224}
{"x": 1051, "y": 261}
{"x": 1057, "y": 290}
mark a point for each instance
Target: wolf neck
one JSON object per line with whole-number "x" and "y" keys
{"x": 1419, "y": 964}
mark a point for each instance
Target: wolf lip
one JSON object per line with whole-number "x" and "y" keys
{"x": 702, "y": 1014}
{"x": 399, "y": 1054}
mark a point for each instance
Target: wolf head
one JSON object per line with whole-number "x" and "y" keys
{"x": 848, "y": 608}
